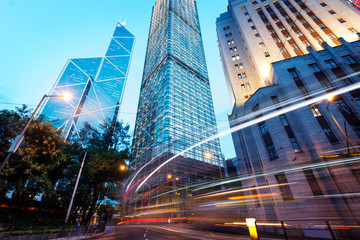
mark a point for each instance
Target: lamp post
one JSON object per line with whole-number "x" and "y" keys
{"x": 19, "y": 138}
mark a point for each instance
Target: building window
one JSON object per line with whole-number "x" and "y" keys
{"x": 228, "y": 42}
{"x": 239, "y": 66}
{"x": 247, "y": 85}
{"x": 244, "y": 75}
{"x": 232, "y": 41}
{"x": 299, "y": 34}
{"x": 257, "y": 35}
{"x": 233, "y": 58}
{"x": 322, "y": 26}
{"x": 331, "y": 64}
{"x": 323, "y": 4}
{"x": 306, "y": 10}
{"x": 284, "y": 187}
{"x": 267, "y": 54}
{"x": 307, "y": 43}
{"x": 310, "y": 30}
{"x": 332, "y": 12}
{"x": 314, "y": 185}
{"x": 253, "y": 27}
{"x": 294, "y": 46}
{"x": 332, "y": 36}
{"x": 283, "y": 50}
{"x": 239, "y": 76}
{"x": 341, "y": 20}
{"x": 254, "y": 2}
{"x": 275, "y": 100}
{"x": 261, "y": 44}
{"x": 277, "y": 40}
{"x": 314, "y": 67}
{"x": 315, "y": 111}
{"x": 319, "y": 40}
{"x": 243, "y": 86}
{"x": 353, "y": 30}
{"x": 272, "y": 152}
{"x": 272, "y": 31}
{"x": 249, "y": 20}
{"x": 226, "y": 28}
{"x": 263, "y": 128}
{"x": 293, "y": 72}
{"x": 324, "y": 125}
{"x": 299, "y": 83}
{"x": 349, "y": 59}
{"x": 290, "y": 133}
{"x": 282, "y": 28}
{"x": 246, "y": 13}
{"x": 314, "y": 18}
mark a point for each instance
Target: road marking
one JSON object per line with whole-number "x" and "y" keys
{"x": 146, "y": 233}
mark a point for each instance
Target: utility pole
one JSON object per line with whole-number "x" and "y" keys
{"x": 75, "y": 188}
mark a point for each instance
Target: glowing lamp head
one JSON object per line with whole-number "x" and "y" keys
{"x": 169, "y": 176}
{"x": 250, "y": 222}
{"x": 122, "y": 167}
{"x": 208, "y": 155}
{"x": 330, "y": 98}
{"x": 66, "y": 96}
{"x": 177, "y": 179}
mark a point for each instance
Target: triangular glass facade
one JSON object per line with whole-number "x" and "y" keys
{"x": 96, "y": 86}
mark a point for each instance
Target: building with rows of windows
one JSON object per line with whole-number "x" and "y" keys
{"x": 175, "y": 112}
{"x": 277, "y": 54}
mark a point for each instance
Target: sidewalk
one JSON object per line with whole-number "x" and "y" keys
{"x": 80, "y": 237}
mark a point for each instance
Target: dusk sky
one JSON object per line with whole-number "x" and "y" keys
{"x": 39, "y": 36}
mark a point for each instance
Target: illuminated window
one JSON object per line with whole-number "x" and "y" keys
{"x": 244, "y": 75}
{"x": 257, "y": 35}
{"x": 239, "y": 76}
{"x": 261, "y": 44}
{"x": 332, "y": 12}
{"x": 253, "y": 27}
{"x": 283, "y": 50}
{"x": 323, "y": 4}
{"x": 277, "y": 40}
{"x": 267, "y": 54}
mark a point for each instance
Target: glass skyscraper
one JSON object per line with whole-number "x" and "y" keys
{"x": 175, "y": 109}
{"x": 96, "y": 86}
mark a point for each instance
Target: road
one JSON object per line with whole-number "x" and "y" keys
{"x": 164, "y": 232}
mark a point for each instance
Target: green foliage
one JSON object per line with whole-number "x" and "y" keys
{"x": 45, "y": 164}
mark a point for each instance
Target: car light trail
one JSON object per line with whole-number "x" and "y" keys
{"x": 258, "y": 120}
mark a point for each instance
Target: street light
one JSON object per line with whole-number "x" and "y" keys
{"x": 169, "y": 176}
{"x": 122, "y": 167}
{"x": 19, "y": 138}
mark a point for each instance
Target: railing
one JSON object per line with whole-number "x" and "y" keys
{"x": 48, "y": 232}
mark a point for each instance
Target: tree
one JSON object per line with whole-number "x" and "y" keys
{"x": 107, "y": 151}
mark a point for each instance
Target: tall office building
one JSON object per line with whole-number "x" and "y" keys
{"x": 276, "y": 54}
{"x": 95, "y": 86}
{"x": 175, "y": 108}
{"x": 254, "y": 34}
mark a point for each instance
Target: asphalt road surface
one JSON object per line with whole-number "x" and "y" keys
{"x": 164, "y": 232}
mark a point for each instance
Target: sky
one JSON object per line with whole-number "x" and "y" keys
{"x": 39, "y": 36}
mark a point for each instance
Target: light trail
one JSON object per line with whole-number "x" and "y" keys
{"x": 309, "y": 166}
{"x": 258, "y": 120}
